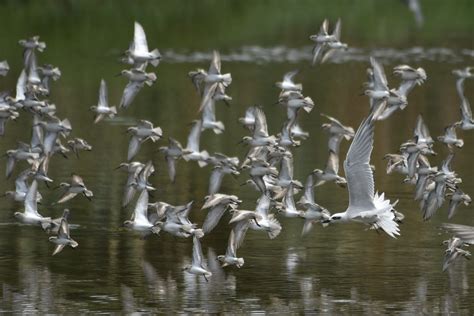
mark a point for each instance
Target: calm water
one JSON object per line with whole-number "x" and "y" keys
{"x": 339, "y": 269}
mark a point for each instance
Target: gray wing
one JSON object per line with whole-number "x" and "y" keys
{"x": 58, "y": 249}
{"x": 171, "y": 162}
{"x": 380, "y": 80}
{"x": 197, "y": 252}
{"x": 237, "y": 235}
{"x": 263, "y": 205}
{"x": 66, "y": 197}
{"x": 215, "y": 180}
{"x": 466, "y": 233}
{"x": 208, "y": 94}
{"x": 130, "y": 92}
{"x": 332, "y": 165}
{"x": 360, "y": 180}
{"x": 337, "y": 30}
{"x": 103, "y": 97}
{"x": 63, "y": 231}
{"x": 139, "y": 39}
{"x": 261, "y": 127}
{"x": 213, "y": 217}
{"x": 452, "y": 208}
{"x": 466, "y": 111}
{"x": 133, "y": 147}
{"x": 215, "y": 67}
{"x": 31, "y": 205}
{"x": 194, "y": 136}
{"x": 21, "y": 86}
{"x": 141, "y": 208}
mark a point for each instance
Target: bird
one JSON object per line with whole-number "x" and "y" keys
{"x": 133, "y": 169}
{"x": 63, "y": 238}
{"x": 314, "y": 212}
{"x": 140, "y": 133}
{"x": 266, "y": 221}
{"x": 30, "y": 214}
{"x": 137, "y": 79}
{"x": 463, "y": 236}
{"x": 173, "y": 152}
{"x": 336, "y": 132}
{"x": 102, "y": 109}
{"x": 365, "y": 205}
{"x": 21, "y": 187}
{"x": 75, "y": 187}
{"x": 208, "y": 82}
{"x": 217, "y": 204}
{"x": 330, "y": 173}
{"x": 197, "y": 266}
{"x": 139, "y": 52}
{"x": 192, "y": 146}
{"x": 140, "y": 221}
{"x": 456, "y": 198}
{"x": 321, "y": 39}
{"x": 288, "y": 84}
{"x": 77, "y": 144}
{"x": 240, "y": 223}
{"x": 450, "y": 137}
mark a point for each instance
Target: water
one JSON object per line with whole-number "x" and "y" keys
{"x": 339, "y": 269}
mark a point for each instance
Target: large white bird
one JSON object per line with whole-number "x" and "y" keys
{"x": 365, "y": 206}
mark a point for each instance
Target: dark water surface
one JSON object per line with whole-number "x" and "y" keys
{"x": 340, "y": 269}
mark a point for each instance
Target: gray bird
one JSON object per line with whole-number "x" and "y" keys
{"x": 173, "y": 152}
{"x": 192, "y": 146}
{"x": 75, "y": 187}
{"x": 463, "y": 236}
{"x": 63, "y": 238}
{"x": 217, "y": 204}
{"x": 102, "y": 109}
{"x": 77, "y": 144}
{"x": 197, "y": 266}
{"x": 456, "y": 198}
{"x": 140, "y": 133}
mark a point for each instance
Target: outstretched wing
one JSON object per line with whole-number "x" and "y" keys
{"x": 360, "y": 179}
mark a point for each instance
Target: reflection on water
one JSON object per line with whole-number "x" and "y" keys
{"x": 334, "y": 270}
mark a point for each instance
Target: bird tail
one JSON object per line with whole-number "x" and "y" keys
{"x": 41, "y": 46}
{"x": 227, "y": 78}
{"x": 156, "y": 57}
{"x": 385, "y": 216}
{"x": 219, "y": 128}
{"x": 203, "y": 162}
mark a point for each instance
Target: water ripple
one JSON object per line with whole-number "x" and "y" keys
{"x": 282, "y": 54}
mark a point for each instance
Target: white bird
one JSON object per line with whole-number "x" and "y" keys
{"x": 193, "y": 146}
{"x": 365, "y": 206}
{"x": 140, "y": 221}
{"x": 138, "y": 50}
{"x": 288, "y": 84}
{"x": 197, "y": 266}
{"x": 102, "y": 109}
{"x": 267, "y": 221}
{"x": 30, "y": 215}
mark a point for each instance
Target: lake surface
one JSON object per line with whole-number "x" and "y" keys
{"x": 335, "y": 270}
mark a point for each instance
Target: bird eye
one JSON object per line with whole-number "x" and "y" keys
{"x": 336, "y": 217}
